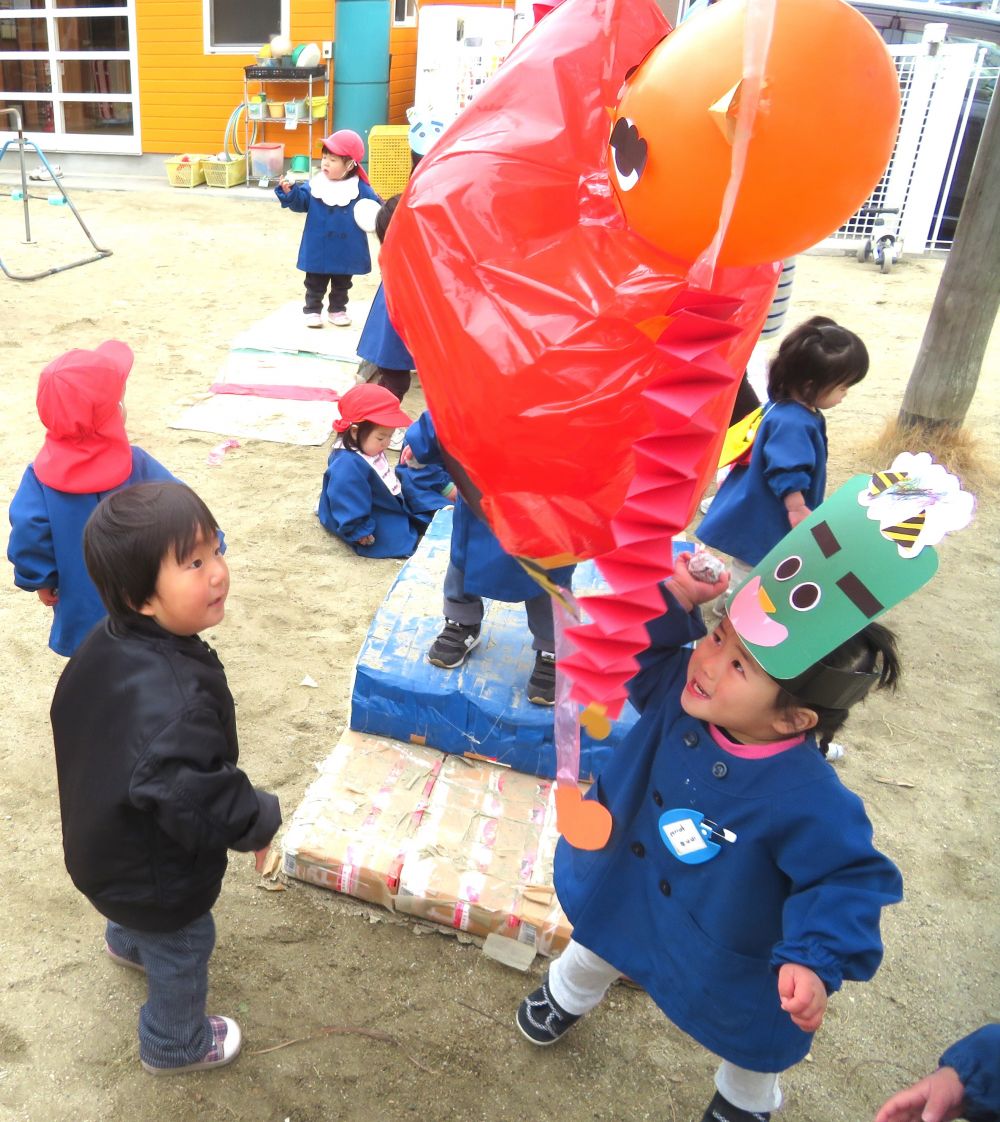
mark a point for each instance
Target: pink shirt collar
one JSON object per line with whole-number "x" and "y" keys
{"x": 753, "y": 751}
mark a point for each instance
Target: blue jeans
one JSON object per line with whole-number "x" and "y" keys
{"x": 173, "y": 1028}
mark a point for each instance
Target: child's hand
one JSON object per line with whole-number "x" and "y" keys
{"x": 936, "y": 1098}
{"x": 803, "y": 995}
{"x": 796, "y": 509}
{"x": 49, "y": 596}
{"x": 368, "y": 539}
{"x": 260, "y": 858}
{"x": 405, "y": 455}
{"x": 690, "y": 591}
{"x": 286, "y": 185}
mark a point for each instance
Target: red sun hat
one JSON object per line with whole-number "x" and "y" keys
{"x": 370, "y": 402}
{"x": 346, "y": 142}
{"x": 86, "y": 448}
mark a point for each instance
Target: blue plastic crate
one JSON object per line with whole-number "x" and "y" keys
{"x": 481, "y": 707}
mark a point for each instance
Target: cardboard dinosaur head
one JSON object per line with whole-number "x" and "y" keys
{"x": 866, "y": 548}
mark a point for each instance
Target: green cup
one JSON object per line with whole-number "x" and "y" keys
{"x": 301, "y": 163}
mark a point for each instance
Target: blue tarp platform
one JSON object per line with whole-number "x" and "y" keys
{"x": 481, "y": 707}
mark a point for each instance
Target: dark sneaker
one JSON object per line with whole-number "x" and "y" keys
{"x": 226, "y": 1043}
{"x": 451, "y": 648}
{"x": 722, "y": 1110}
{"x": 541, "y": 1020}
{"x": 542, "y": 683}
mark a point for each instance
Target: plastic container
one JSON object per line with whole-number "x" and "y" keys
{"x": 318, "y": 107}
{"x": 256, "y": 110}
{"x": 225, "y": 173}
{"x": 389, "y": 161}
{"x": 301, "y": 163}
{"x": 267, "y": 160}
{"x": 276, "y": 109}
{"x": 186, "y": 170}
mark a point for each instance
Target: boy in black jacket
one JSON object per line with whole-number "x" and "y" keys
{"x": 146, "y": 752}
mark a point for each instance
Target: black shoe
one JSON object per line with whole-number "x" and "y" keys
{"x": 451, "y": 648}
{"x": 542, "y": 683}
{"x": 722, "y": 1110}
{"x": 541, "y": 1020}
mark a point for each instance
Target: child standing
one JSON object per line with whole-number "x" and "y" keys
{"x": 785, "y": 479}
{"x": 740, "y": 885}
{"x": 361, "y": 501}
{"x": 380, "y": 344}
{"x": 85, "y": 456}
{"x": 150, "y": 793}
{"x": 340, "y": 207}
{"x": 478, "y": 567}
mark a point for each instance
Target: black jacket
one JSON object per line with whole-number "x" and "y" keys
{"x": 151, "y": 798}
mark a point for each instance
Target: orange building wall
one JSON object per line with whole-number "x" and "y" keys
{"x": 186, "y": 96}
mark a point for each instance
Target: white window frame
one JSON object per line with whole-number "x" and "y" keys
{"x": 410, "y": 19}
{"x": 237, "y": 48}
{"x": 62, "y": 141}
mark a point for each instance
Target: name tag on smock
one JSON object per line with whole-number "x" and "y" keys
{"x": 689, "y": 835}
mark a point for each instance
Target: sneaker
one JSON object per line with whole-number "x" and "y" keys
{"x": 722, "y": 1110}
{"x": 541, "y": 1020}
{"x": 226, "y": 1043}
{"x": 451, "y": 648}
{"x": 339, "y": 319}
{"x": 542, "y": 683}
{"x": 312, "y": 319}
{"x": 396, "y": 440}
{"x": 835, "y": 751}
{"x": 131, "y": 963}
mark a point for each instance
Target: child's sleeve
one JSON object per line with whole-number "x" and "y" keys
{"x": 421, "y": 436}
{"x": 790, "y": 458}
{"x": 668, "y": 634}
{"x": 31, "y": 549}
{"x": 349, "y": 494}
{"x": 976, "y": 1059}
{"x": 298, "y": 199}
{"x": 839, "y": 885}
{"x": 197, "y": 797}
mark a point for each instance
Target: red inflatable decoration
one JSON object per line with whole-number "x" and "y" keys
{"x": 575, "y": 370}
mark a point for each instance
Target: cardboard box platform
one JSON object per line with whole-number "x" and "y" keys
{"x": 464, "y": 844}
{"x": 481, "y": 708}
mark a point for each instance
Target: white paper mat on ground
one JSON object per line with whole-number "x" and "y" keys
{"x": 283, "y": 368}
{"x": 283, "y": 330}
{"x": 261, "y": 418}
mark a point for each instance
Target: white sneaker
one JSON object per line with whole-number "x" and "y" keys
{"x": 339, "y": 319}
{"x": 312, "y": 319}
{"x": 835, "y": 751}
{"x": 396, "y": 440}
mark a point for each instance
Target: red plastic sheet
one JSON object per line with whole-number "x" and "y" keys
{"x": 552, "y": 342}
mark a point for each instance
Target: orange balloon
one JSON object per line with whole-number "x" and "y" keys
{"x": 823, "y": 135}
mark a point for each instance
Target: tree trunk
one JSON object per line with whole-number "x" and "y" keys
{"x": 951, "y": 353}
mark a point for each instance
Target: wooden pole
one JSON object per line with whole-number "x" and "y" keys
{"x": 950, "y": 359}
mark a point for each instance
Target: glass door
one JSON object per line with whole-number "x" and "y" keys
{"x": 69, "y": 67}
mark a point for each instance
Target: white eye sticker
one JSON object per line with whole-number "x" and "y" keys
{"x": 788, "y": 568}
{"x": 805, "y": 597}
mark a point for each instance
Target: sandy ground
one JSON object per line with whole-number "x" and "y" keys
{"x": 189, "y": 271}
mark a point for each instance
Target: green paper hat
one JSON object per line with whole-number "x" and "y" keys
{"x": 863, "y": 550}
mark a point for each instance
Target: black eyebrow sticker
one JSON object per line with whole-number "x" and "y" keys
{"x": 826, "y": 539}
{"x": 860, "y": 595}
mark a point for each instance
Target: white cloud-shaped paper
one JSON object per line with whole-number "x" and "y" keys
{"x": 928, "y": 488}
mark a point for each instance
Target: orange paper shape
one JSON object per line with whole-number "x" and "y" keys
{"x": 584, "y": 823}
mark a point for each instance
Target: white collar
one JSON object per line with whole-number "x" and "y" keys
{"x": 334, "y": 192}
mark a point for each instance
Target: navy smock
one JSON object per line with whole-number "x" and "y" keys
{"x": 355, "y": 502}
{"x": 380, "y": 343}
{"x": 801, "y": 883}
{"x": 332, "y": 241}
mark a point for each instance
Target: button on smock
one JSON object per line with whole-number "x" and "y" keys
{"x": 658, "y": 798}
{"x": 665, "y": 887}
{"x": 638, "y": 849}
{"x": 720, "y": 770}
{"x": 691, "y": 738}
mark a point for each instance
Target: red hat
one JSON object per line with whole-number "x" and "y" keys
{"x": 370, "y": 402}
{"x": 346, "y": 142}
{"x": 79, "y": 394}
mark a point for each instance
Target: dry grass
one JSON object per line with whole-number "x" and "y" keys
{"x": 960, "y": 450}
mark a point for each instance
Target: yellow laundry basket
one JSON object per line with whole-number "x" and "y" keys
{"x": 389, "y": 163}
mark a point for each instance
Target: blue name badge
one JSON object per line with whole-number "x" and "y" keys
{"x": 688, "y": 835}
